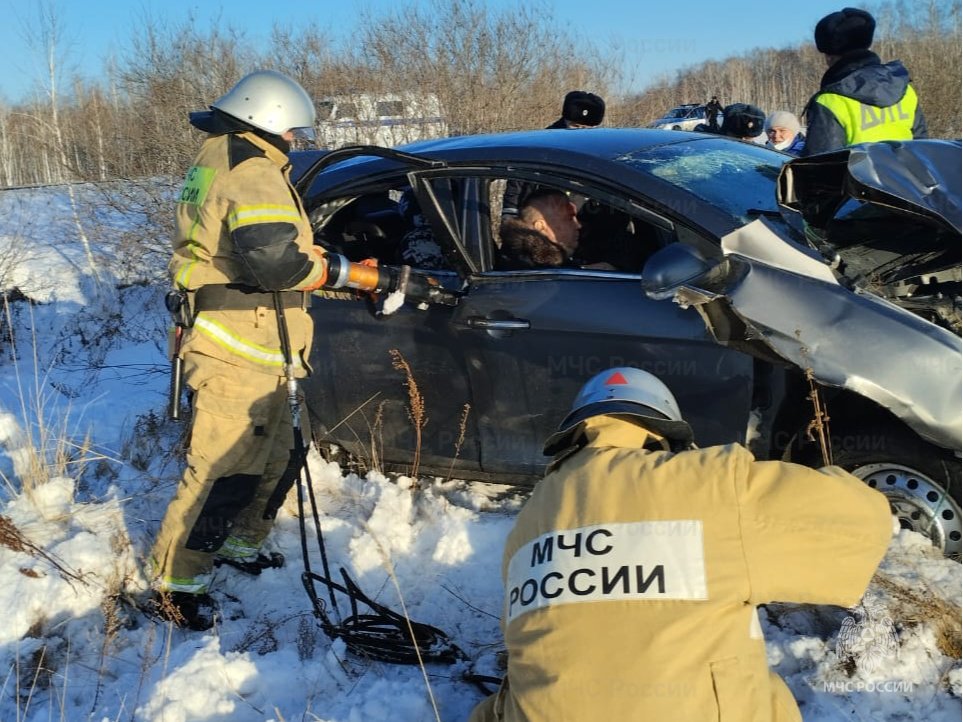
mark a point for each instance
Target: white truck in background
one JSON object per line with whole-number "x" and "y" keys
{"x": 385, "y": 119}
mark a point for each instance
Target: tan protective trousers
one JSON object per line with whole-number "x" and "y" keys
{"x": 240, "y": 445}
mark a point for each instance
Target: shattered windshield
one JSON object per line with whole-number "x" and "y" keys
{"x": 738, "y": 178}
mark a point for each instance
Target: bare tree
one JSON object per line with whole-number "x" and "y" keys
{"x": 47, "y": 35}
{"x": 492, "y": 70}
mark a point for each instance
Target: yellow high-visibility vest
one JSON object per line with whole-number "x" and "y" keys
{"x": 870, "y": 123}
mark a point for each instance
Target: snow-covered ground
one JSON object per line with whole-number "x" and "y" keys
{"x": 88, "y": 363}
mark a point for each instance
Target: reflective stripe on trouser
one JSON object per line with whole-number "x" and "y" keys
{"x": 240, "y": 445}
{"x": 237, "y": 548}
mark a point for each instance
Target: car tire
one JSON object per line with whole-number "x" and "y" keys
{"x": 921, "y": 481}
{"x": 676, "y": 127}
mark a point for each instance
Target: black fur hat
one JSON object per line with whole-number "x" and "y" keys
{"x": 741, "y": 120}
{"x": 583, "y": 108}
{"x": 844, "y": 31}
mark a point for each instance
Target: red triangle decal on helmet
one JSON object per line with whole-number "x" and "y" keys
{"x": 616, "y": 379}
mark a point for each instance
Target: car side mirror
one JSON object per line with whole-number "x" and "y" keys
{"x": 679, "y": 266}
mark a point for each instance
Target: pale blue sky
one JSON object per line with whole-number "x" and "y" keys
{"x": 657, "y": 37}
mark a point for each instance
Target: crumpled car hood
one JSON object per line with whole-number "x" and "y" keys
{"x": 792, "y": 306}
{"x": 917, "y": 176}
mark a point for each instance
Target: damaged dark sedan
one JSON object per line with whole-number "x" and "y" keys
{"x": 817, "y": 323}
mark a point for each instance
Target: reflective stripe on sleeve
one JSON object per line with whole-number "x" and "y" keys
{"x": 183, "y": 277}
{"x": 266, "y": 213}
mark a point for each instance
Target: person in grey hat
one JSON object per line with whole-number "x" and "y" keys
{"x": 783, "y": 133}
{"x": 860, "y": 99}
{"x": 633, "y": 572}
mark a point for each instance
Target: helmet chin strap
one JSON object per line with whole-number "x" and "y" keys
{"x": 659, "y": 441}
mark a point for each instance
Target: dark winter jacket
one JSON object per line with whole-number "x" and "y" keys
{"x": 713, "y": 108}
{"x": 524, "y": 248}
{"x": 862, "y": 100}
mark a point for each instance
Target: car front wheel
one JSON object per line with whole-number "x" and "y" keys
{"x": 919, "y": 502}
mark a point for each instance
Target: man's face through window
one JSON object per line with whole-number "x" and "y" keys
{"x": 555, "y": 216}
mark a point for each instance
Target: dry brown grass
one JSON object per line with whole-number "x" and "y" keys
{"x": 462, "y": 428}
{"x": 110, "y": 606}
{"x": 913, "y": 607}
{"x": 376, "y": 432}
{"x": 416, "y": 405}
{"x": 12, "y": 538}
{"x": 164, "y": 607}
{"x": 818, "y": 428}
{"x": 46, "y": 449}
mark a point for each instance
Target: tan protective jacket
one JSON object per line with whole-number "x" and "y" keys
{"x": 240, "y": 221}
{"x": 632, "y": 579}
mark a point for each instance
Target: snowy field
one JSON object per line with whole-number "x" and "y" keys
{"x": 83, "y": 384}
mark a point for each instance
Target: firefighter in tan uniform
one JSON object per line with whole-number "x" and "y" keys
{"x": 242, "y": 234}
{"x": 633, "y": 573}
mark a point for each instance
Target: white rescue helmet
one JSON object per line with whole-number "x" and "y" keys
{"x": 625, "y": 391}
{"x": 269, "y": 101}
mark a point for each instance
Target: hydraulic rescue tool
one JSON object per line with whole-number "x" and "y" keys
{"x": 397, "y": 283}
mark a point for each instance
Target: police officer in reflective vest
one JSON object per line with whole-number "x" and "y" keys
{"x": 860, "y": 99}
{"x": 242, "y": 234}
{"x": 633, "y": 572}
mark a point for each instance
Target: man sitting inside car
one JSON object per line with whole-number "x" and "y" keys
{"x": 544, "y": 234}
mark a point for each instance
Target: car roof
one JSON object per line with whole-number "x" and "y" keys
{"x": 552, "y": 146}
{"x": 598, "y": 142}
{"x": 599, "y": 153}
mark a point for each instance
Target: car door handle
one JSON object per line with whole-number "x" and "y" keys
{"x": 501, "y": 324}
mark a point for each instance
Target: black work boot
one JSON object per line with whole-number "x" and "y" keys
{"x": 188, "y": 611}
{"x": 274, "y": 560}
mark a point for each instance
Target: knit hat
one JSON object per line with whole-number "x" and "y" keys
{"x": 583, "y": 108}
{"x": 741, "y": 120}
{"x": 844, "y": 31}
{"x": 783, "y": 119}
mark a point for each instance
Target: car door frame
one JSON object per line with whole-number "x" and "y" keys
{"x": 734, "y": 367}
